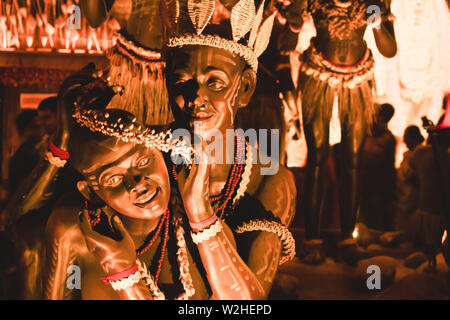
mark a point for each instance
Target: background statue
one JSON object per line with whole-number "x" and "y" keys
{"x": 335, "y": 84}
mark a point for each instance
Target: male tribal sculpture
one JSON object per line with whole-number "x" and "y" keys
{"x": 335, "y": 84}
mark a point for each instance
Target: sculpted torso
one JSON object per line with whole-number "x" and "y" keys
{"x": 341, "y": 25}
{"x": 339, "y": 33}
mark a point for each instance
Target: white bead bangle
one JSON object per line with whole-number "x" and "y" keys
{"x": 206, "y": 234}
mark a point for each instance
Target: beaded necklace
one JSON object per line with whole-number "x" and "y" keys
{"x": 151, "y": 238}
{"x": 225, "y": 199}
{"x": 183, "y": 264}
{"x": 237, "y": 180}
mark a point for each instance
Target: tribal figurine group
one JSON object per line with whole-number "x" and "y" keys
{"x": 138, "y": 225}
{"x": 141, "y": 227}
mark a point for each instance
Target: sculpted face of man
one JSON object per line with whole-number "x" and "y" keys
{"x": 209, "y": 85}
{"x": 131, "y": 179}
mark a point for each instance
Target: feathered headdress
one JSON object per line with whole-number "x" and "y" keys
{"x": 188, "y": 22}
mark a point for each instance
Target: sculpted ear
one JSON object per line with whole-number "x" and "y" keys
{"x": 85, "y": 190}
{"x": 248, "y": 84}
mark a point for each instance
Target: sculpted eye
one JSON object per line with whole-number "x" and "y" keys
{"x": 114, "y": 181}
{"x": 143, "y": 162}
{"x": 216, "y": 85}
{"x": 180, "y": 79}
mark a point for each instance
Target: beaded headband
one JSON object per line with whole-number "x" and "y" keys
{"x": 116, "y": 123}
{"x": 185, "y": 23}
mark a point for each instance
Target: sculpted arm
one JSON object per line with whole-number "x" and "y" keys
{"x": 96, "y": 11}
{"x": 228, "y": 275}
{"x": 38, "y": 189}
{"x": 384, "y": 34}
{"x": 60, "y": 255}
{"x": 277, "y": 195}
{"x": 34, "y": 193}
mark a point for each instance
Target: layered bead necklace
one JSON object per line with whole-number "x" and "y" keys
{"x": 151, "y": 238}
{"x": 229, "y": 195}
{"x": 237, "y": 180}
{"x": 183, "y": 263}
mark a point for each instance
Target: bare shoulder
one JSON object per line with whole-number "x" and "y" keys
{"x": 278, "y": 194}
{"x": 63, "y": 223}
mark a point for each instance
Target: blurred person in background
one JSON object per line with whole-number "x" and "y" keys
{"x": 378, "y": 173}
{"x": 27, "y": 155}
{"x": 47, "y": 116}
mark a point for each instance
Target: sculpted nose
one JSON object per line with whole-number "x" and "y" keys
{"x": 191, "y": 91}
{"x": 132, "y": 182}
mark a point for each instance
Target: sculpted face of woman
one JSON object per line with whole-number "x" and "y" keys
{"x": 209, "y": 85}
{"x": 131, "y": 179}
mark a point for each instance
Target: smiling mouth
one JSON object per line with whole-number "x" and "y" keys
{"x": 202, "y": 116}
{"x": 144, "y": 200}
{"x": 200, "y": 113}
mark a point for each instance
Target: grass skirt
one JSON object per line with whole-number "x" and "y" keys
{"x": 141, "y": 72}
{"x": 321, "y": 81}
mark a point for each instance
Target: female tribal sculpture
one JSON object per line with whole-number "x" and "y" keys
{"x": 335, "y": 84}
{"x": 211, "y": 51}
{"x": 131, "y": 215}
{"x": 135, "y": 63}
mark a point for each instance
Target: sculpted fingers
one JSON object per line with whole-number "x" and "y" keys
{"x": 120, "y": 229}
{"x": 94, "y": 239}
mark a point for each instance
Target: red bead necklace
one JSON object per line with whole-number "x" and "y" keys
{"x": 151, "y": 238}
{"x": 223, "y": 200}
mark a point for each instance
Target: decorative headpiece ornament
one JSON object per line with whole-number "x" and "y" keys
{"x": 122, "y": 125}
{"x": 186, "y": 22}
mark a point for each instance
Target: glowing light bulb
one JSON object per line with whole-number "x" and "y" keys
{"x": 355, "y": 233}
{"x": 29, "y": 41}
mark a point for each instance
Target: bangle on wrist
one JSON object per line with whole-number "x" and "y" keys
{"x": 199, "y": 226}
{"x": 124, "y": 279}
{"x": 57, "y": 152}
{"x": 206, "y": 234}
{"x": 56, "y": 156}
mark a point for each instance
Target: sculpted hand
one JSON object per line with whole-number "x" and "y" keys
{"x": 195, "y": 190}
{"x": 114, "y": 256}
{"x": 291, "y": 11}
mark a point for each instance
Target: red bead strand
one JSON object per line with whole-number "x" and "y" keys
{"x": 141, "y": 250}
{"x": 163, "y": 251}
